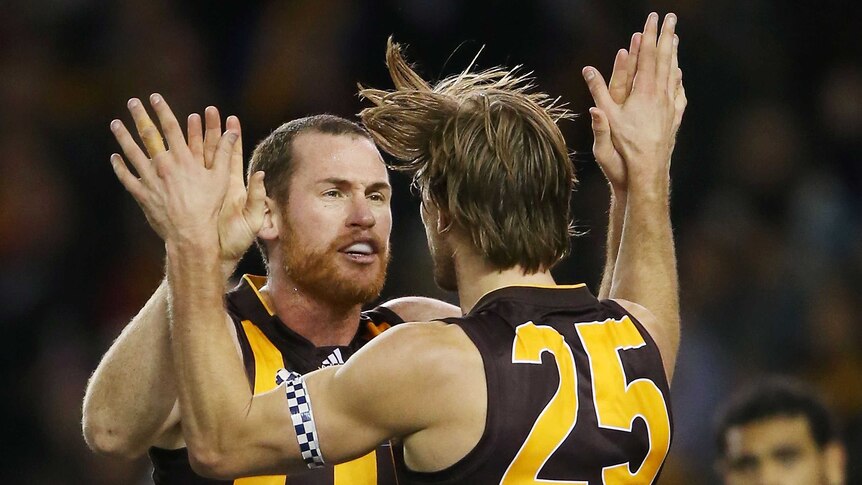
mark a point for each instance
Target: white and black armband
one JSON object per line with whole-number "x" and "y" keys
{"x": 299, "y": 405}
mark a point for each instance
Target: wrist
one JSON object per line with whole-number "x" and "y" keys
{"x": 619, "y": 192}
{"x": 649, "y": 194}
{"x": 198, "y": 246}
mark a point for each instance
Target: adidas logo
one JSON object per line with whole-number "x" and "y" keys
{"x": 334, "y": 358}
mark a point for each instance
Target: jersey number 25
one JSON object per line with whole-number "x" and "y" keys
{"x": 617, "y": 402}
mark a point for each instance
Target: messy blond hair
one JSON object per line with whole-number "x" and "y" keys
{"x": 486, "y": 150}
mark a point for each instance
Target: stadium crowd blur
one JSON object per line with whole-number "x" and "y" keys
{"x": 766, "y": 190}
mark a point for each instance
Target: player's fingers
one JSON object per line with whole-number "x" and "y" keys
{"x": 167, "y": 120}
{"x": 196, "y": 137}
{"x": 213, "y": 134}
{"x": 603, "y": 147}
{"x": 598, "y": 88}
{"x": 619, "y": 80}
{"x": 632, "y": 61}
{"x": 125, "y": 176}
{"x": 645, "y": 78}
{"x": 133, "y": 152}
{"x": 675, "y": 77}
{"x": 255, "y": 203}
{"x": 224, "y": 150}
{"x": 232, "y": 124}
{"x": 664, "y": 58}
{"x": 147, "y": 130}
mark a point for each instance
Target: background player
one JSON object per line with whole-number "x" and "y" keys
{"x": 778, "y": 432}
{"x": 305, "y": 314}
{"x": 440, "y": 377}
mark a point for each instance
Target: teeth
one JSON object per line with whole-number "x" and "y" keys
{"x": 361, "y": 248}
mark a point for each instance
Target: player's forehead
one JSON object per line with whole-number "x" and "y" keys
{"x": 765, "y": 436}
{"x": 322, "y": 156}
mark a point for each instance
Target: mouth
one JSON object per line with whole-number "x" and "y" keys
{"x": 362, "y": 251}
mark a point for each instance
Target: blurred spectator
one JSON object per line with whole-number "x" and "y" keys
{"x": 776, "y": 431}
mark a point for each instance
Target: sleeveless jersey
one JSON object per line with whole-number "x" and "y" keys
{"x": 268, "y": 345}
{"x": 577, "y": 393}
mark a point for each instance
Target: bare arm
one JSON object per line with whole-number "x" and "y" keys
{"x": 643, "y": 131}
{"x": 129, "y": 398}
{"x": 616, "y": 216}
{"x": 610, "y": 160}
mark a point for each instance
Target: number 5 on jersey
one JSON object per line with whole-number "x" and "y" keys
{"x": 617, "y": 402}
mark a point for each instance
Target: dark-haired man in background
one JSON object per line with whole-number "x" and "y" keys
{"x": 777, "y": 432}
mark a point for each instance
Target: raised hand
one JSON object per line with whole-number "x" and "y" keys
{"x": 642, "y": 125}
{"x": 241, "y": 212}
{"x": 622, "y": 78}
{"x": 180, "y": 195}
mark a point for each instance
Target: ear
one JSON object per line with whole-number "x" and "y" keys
{"x": 835, "y": 463}
{"x": 269, "y": 230}
{"x": 443, "y": 220}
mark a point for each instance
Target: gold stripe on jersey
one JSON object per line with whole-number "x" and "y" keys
{"x": 361, "y": 471}
{"x": 267, "y": 358}
{"x": 267, "y": 361}
{"x": 256, "y": 283}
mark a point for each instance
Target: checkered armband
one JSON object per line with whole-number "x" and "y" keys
{"x": 303, "y": 420}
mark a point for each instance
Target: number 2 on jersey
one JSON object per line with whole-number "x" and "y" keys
{"x": 617, "y": 402}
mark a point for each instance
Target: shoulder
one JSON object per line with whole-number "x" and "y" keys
{"x": 421, "y": 343}
{"x": 420, "y": 366}
{"x": 419, "y": 352}
{"x": 666, "y": 343}
{"x": 421, "y": 309}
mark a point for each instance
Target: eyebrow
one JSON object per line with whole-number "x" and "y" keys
{"x": 339, "y": 182}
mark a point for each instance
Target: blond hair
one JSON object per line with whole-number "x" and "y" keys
{"x": 485, "y": 149}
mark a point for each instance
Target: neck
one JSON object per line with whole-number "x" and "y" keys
{"x": 476, "y": 278}
{"x": 318, "y": 320}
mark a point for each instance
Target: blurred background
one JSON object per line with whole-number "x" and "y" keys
{"x": 766, "y": 190}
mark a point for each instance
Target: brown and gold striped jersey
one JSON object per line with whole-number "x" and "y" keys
{"x": 577, "y": 393}
{"x": 268, "y": 345}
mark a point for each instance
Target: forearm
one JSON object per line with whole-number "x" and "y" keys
{"x": 646, "y": 265}
{"x": 616, "y": 216}
{"x": 130, "y": 395}
{"x": 211, "y": 383}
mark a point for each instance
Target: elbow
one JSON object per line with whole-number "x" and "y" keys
{"x": 108, "y": 440}
{"x": 211, "y": 462}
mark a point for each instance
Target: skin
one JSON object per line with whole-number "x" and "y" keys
{"x": 440, "y": 376}
{"x": 780, "y": 450}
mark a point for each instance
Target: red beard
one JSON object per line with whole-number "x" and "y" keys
{"x": 320, "y": 274}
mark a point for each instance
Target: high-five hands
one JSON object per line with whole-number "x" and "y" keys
{"x": 637, "y": 116}
{"x": 191, "y": 189}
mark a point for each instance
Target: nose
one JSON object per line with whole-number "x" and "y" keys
{"x": 771, "y": 474}
{"x": 361, "y": 214}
